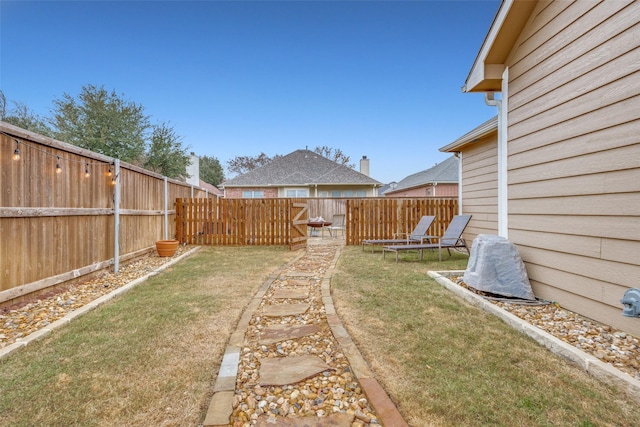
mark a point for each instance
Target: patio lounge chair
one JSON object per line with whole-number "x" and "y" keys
{"x": 337, "y": 224}
{"x": 452, "y": 238}
{"x": 418, "y": 235}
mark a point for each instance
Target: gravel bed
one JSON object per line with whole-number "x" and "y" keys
{"x": 21, "y": 319}
{"x": 617, "y": 348}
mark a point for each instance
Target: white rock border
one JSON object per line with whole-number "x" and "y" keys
{"x": 590, "y": 364}
{"x": 41, "y": 333}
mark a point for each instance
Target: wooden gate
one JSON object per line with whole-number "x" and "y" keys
{"x": 299, "y": 218}
{"x": 240, "y": 222}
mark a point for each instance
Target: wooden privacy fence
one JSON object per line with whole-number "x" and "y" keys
{"x": 283, "y": 221}
{"x": 233, "y": 222}
{"x": 93, "y": 213}
{"x": 382, "y": 218}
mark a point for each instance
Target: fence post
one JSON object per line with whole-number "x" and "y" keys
{"x": 116, "y": 218}
{"x": 166, "y": 209}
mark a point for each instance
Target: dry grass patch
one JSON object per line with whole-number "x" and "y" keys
{"x": 149, "y": 357}
{"x": 445, "y": 362}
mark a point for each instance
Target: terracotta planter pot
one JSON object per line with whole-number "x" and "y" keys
{"x": 166, "y": 247}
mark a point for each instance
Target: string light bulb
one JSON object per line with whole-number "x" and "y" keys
{"x": 58, "y": 168}
{"x": 16, "y": 152}
{"x": 86, "y": 170}
{"x": 109, "y": 173}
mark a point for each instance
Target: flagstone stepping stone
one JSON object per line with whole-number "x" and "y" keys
{"x": 333, "y": 420}
{"x": 293, "y": 282}
{"x": 291, "y": 293}
{"x": 301, "y": 274}
{"x": 285, "y": 310}
{"x": 290, "y": 369}
{"x": 277, "y": 333}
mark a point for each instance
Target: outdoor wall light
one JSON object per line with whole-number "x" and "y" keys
{"x": 631, "y": 302}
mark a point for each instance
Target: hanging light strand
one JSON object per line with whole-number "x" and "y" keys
{"x": 17, "y": 156}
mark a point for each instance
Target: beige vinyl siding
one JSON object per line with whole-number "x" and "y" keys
{"x": 574, "y": 154}
{"x": 480, "y": 187}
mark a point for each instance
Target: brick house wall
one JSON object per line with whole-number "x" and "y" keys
{"x": 236, "y": 192}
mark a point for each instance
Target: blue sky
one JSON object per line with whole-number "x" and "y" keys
{"x": 375, "y": 78}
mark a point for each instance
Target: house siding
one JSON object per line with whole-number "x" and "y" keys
{"x": 574, "y": 154}
{"x": 480, "y": 186}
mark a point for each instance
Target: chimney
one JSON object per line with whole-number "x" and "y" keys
{"x": 364, "y": 166}
{"x": 193, "y": 170}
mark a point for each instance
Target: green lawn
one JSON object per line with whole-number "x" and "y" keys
{"x": 447, "y": 363}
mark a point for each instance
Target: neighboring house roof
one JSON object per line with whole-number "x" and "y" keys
{"x": 212, "y": 188}
{"x": 302, "y": 167}
{"x": 387, "y": 187}
{"x": 445, "y": 172}
{"x": 485, "y": 129}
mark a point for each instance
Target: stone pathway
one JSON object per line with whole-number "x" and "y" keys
{"x": 291, "y": 363}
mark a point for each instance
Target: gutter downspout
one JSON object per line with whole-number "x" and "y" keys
{"x": 458, "y": 154}
{"x": 503, "y": 226}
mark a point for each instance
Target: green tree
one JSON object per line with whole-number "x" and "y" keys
{"x": 102, "y": 122}
{"x": 24, "y": 118}
{"x": 167, "y": 155}
{"x": 211, "y": 170}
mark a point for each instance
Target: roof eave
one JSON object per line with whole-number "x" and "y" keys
{"x": 488, "y": 67}
{"x": 482, "y": 131}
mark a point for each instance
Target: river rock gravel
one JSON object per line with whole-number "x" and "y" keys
{"x": 617, "y": 348}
